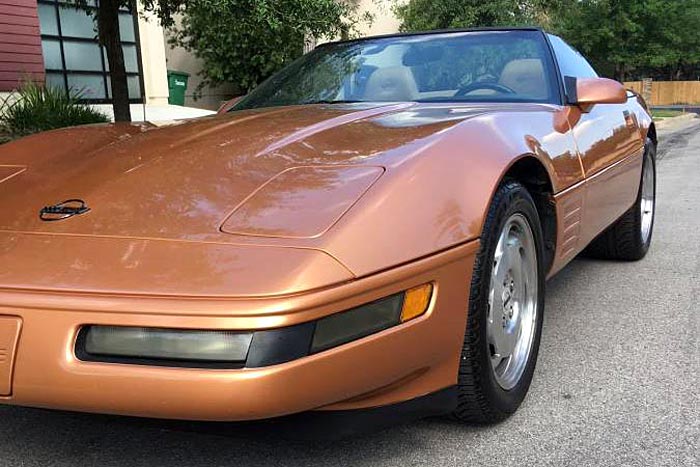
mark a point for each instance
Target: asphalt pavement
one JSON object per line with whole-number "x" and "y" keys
{"x": 616, "y": 383}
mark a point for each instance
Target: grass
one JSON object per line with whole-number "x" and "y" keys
{"x": 661, "y": 114}
{"x": 36, "y": 108}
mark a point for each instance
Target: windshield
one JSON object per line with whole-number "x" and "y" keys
{"x": 477, "y": 66}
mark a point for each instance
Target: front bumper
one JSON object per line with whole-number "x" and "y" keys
{"x": 399, "y": 364}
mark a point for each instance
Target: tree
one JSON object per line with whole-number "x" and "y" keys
{"x": 622, "y": 38}
{"x": 416, "y": 15}
{"x": 107, "y": 22}
{"x": 629, "y": 38}
{"x": 245, "y": 41}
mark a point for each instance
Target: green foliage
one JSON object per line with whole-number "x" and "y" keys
{"x": 416, "y": 15}
{"x": 661, "y": 114}
{"x": 628, "y": 38}
{"x": 624, "y": 39}
{"x": 245, "y": 41}
{"x": 36, "y": 108}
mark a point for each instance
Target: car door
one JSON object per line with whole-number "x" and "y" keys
{"x": 610, "y": 147}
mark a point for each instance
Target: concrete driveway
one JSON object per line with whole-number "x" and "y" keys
{"x": 616, "y": 383}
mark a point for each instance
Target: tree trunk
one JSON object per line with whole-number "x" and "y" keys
{"x": 108, "y": 27}
{"x": 619, "y": 72}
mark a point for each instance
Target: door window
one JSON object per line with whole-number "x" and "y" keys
{"x": 571, "y": 62}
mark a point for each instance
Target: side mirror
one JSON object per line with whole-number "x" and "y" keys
{"x": 227, "y": 105}
{"x": 587, "y": 92}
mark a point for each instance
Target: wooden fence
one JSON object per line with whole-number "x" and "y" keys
{"x": 670, "y": 92}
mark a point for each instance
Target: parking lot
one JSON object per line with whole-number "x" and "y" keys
{"x": 616, "y": 383}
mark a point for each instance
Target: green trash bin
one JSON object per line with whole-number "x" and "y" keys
{"x": 177, "y": 85}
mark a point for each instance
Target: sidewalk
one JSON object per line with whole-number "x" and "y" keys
{"x": 155, "y": 113}
{"x": 672, "y": 123}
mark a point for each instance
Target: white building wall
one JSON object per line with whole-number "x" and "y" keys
{"x": 155, "y": 78}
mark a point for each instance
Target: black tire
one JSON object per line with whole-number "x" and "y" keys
{"x": 480, "y": 397}
{"x": 623, "y": 239}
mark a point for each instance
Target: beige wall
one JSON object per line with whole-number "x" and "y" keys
{"x": 181, "y": 60}
{"x": 384, "y": 20}
{"x": 155, "y": 77}
{"x": 158, "y": 57}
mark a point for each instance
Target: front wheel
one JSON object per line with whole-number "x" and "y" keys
{"x": 505, "y": 310}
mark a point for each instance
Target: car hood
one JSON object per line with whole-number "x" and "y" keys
{"x": 210, "y": 184}
{"x": 183, "y": 181}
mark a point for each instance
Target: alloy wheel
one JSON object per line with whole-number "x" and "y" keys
{"x": 513, "y": 301}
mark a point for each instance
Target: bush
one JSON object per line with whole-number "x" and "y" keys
{"x": 36, "y": 108}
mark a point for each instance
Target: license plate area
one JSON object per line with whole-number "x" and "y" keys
{"x": 10, "y": 328}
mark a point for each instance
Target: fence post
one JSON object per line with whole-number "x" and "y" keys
{"x": 646, "y": 90}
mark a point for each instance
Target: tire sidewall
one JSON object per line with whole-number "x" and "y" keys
{"x": 518, "y": 201}
{"x": 649, "y": 157}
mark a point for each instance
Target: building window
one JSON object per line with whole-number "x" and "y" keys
{"x": 74, "y": 59}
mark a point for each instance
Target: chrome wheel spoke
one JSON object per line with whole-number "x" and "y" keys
{"x": 512, "y": 301}
{"x": 647, "y": 201}
{"x": 501, "y": 261}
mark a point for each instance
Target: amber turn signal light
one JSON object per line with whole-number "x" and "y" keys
{"x": 416, "y": 302}
{"x": 251, "y": 349}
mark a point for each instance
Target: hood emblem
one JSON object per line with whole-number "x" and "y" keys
{"x": 64, "y": 210}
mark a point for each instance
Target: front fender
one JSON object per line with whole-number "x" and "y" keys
{"x": 438, "y": 197}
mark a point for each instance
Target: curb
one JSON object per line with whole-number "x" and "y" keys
{"x": 666, "y": 122}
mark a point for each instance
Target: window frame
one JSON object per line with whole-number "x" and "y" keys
{"x": 103, "y": 73}
{"x": 566, "y": 99}
{"x": 563, "y": 97}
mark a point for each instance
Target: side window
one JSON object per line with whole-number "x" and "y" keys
{"x": 571, "y": 62}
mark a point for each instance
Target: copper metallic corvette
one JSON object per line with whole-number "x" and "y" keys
{"x": 368, "y": 230}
